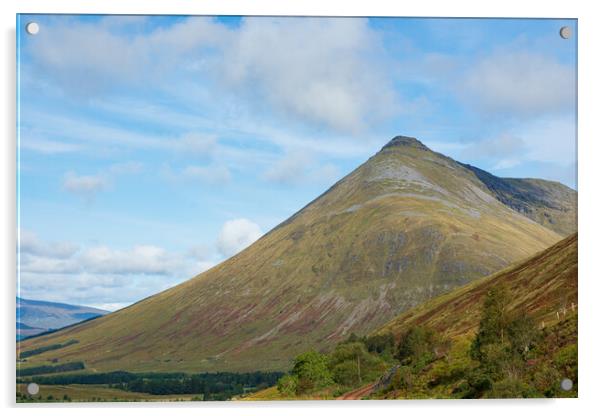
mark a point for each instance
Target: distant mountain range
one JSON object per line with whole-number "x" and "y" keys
{"x": 36, "y": 316}
{"x": 404, "y": 227}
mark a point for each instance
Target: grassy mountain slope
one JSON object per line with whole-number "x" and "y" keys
{"x": 550, "y": 204}
{"x": 543, "y": 288}
{"x": 543, "y": 285}
{"x": 407, "y": 225}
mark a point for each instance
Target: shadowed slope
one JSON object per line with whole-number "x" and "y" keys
{"x": 548, "y": 203}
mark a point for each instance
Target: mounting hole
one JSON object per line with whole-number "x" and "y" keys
{"x": 33, "y": 388}
{"x": 566, "y": 384}
{"x": 565, "y": 32}
{"x": 32, "y": 28}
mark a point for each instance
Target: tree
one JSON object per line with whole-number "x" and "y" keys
{"x": 417, "y": 347}
{"x": 380, "y": 344}
{"x": 352, "y": 364}
{"x": 523, "y": 333}
{"x": 311, "y": 370}
{"x": 504, "y": 342}
{"x": 494, "y": 323}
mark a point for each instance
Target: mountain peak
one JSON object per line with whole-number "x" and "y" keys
{"x": 405, "y": 141}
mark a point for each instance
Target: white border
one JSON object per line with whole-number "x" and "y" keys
{"x": 590, "y": 188}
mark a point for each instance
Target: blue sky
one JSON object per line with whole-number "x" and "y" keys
{"x": 152, "y": 148}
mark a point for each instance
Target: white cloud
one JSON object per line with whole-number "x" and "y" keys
{"x": 506, "y": 164}
{"x": 520, "y": 83}
{"x": 236, "y": 235}
{"x": 84, "y": 185}
{"x": 142, "y": 259}
{"x": 213, "y": 175}
{"x": 546, "y": 142}
{"x": 327, "y": 173}
{"x": 550, "y": 139}
{"x": 47, "y": 146}
{"x": 88, "y": 59}
{"x": 300, "y": 167}
{"x": 497, "y": 147}
{"x": 200, "y": 252}
{"x": 196, "y": 144}
{"x": 100, "y": 275}
{"x": 87, "y": 186}
{"x": 31, "y": 244}
{"x": 126, "y": 168}
{"x": 290, "y": 169}
{"x": 325, "y": 71}
{"x": 66, "y": 258}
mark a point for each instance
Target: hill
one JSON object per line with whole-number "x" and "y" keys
{"x": 402, "y": 228}
{"x": 542, "y": 286}
{"x": 550, "y": 204}
{"x": 431, "y": 351}
{"x": 37, "y": 316}
{"x": 540, "y": 311}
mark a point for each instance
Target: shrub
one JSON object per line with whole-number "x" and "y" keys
{"x": 403, "y": 379}
{"x": 287, "y": 385}
{"x": 565, "y": 360}
{"x": 510, "y": 388}
{"x": 546, "y": 379}
{"x": 477, "y": 383}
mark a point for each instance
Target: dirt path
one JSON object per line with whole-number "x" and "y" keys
{"x": 357, "y": 394}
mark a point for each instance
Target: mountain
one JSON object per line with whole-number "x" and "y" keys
{"x": 37, "y": 316}
{"x": 407, "y": 225}
{"x": 24, "y": 331}
{"x": 542, "y": 289}
{"x": 550, "y": 204}
{"x": 543, "y": 285}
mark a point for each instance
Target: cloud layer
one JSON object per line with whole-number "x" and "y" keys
{"x": 328, "y": 72}
{"x": 521, "y": 83}
{"x": 98, "y": 275}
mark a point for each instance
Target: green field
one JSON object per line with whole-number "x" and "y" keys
{"x": 92, "y": 393}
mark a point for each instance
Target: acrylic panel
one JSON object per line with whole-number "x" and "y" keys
{"x": 290, "y": 208}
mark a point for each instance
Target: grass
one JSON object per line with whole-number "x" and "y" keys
{"x": 89, "y": 393}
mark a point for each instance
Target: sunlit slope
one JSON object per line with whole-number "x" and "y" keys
{"x": 407, "y": 225}
{"x": 544, "y": 286}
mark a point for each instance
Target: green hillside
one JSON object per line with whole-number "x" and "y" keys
{"x": 540, "y": 310}
{"x": 542, "y": 285}
{"x": 509, "y": 335}
{"x": 404, "y": 227}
